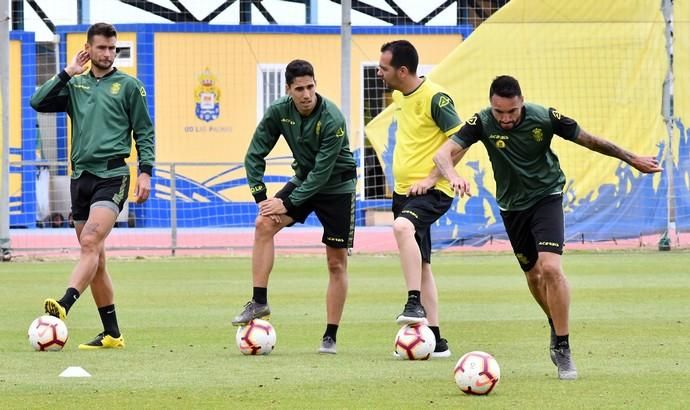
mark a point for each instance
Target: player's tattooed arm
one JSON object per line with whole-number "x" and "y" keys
{"x": 603, "y": 146}
{"x": 644, "y": 164}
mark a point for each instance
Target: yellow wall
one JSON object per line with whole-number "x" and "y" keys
{"x": 15, "y": 110}
{"x": 233, "y": 59}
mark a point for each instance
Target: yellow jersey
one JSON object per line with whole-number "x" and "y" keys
{"x": 425, "y": 119}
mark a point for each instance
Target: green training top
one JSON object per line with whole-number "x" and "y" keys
{"x": 104, "y": 113}
{"x": 525, "y": 168}
{"x": 323, "y": 162}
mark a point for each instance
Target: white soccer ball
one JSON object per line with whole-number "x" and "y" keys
{"x": 256, "y": 337}
{"x": 415, "y": 342}
{"x": 477, "y": 373}
{"x": 47, "y": 333}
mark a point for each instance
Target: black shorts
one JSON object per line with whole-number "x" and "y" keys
{"x": 336, "y": 212}
{"x": 536, "y": 229}
{"x": 89, "y": 189}
{"x": 422, "y": 211}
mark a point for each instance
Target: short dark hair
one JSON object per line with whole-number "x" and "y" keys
{"x": 404, "y": 54}
{"x": 505, "y": 86}
{"x": 298, "y": 68}
{"x": 101, "y": 29}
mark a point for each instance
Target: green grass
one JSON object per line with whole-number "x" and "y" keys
{"x": 630, "y": 336}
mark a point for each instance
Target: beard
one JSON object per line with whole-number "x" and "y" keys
{"x": 102, "y": 65}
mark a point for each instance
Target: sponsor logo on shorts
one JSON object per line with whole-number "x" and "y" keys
{"x": 407, "y": 211}
{"x": 552, "y": 244}
{"x": 522, "y": 258}
{"x": 334, "y": 239}
{"x": 117, "y": 198}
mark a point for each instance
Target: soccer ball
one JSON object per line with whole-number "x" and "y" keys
{"x": 256, "y": 337}
{"x": 415, "y": 342}
{"x": 47, "y": 333}
{"x": 477, "y": 373}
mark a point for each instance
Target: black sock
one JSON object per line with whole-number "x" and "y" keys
{"x": 414, "y": 296}
{"x": 260, "y": 295}
{"x": 437, "y": 332}
{"x": 551, "y": 325}
{"x": 109, "y": 320}
{"x": 71, "y": 296}
{"x": 331, "y": 330}
{"x": 562, "y": 342}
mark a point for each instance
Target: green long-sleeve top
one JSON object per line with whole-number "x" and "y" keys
{"x": 105, "y": 114}
{"x": 323, "y": 162}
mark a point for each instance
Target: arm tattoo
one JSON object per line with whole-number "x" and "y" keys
{"x": 602, "y": 146}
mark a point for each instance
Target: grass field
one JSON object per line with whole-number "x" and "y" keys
{"x": 630, "y": 335}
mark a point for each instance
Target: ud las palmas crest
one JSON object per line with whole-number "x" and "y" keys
{"x": 207, "y": 97}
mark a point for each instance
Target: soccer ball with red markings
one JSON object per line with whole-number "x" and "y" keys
{"x": 477, "y": 373}
{"x": 47, "y": 333}
{"x": 256, "y": 337}
{"x": 415, "y": 342}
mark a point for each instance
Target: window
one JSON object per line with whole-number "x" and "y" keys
{"x": 269, "y": 87}
{"x": 124, "y": 54}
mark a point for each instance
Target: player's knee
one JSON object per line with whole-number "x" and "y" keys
{"x": 90, "y": 243}
{"x": 337, "y": 266}
{"x": 550, "y": 270}
{"x": 402, "y": 227}
{"x": 336, "y": 260}
{"x": 264, "y": 226}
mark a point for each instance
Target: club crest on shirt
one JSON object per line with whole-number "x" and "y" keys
{"x": 538, "y": 134}
{"x": 499, "y": 140}
{"x": 418, "y": 108}
{"x": 207, "y": 97}
{"x": 115, "y": 88}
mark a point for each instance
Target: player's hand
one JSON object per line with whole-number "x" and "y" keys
{"x": 460, "y": 186}
{"x": 647, "y": 165}
{"x": 78, "y": 64}
{"x": 422, "y": 187}
{"x": 272, "y": 206}
{"x": 273, "y": 217}
{"x": 143, "y": 188}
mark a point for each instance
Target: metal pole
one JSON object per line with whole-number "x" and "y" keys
{"x": 346, "y": 62}
{"x": 83, "y": 11}
{"x": 245, "y": 11}
{"x": 17, "y": 14}
{"x": 668, "y": 112}
{"x": 173, "y": 210}
{"x": 5, "y": 122}
{"x": 312, "y": 11}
